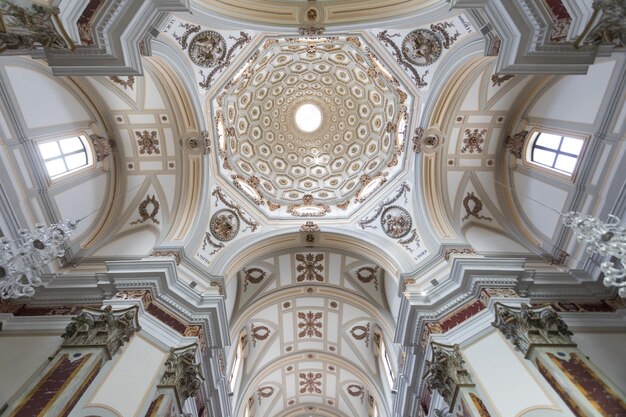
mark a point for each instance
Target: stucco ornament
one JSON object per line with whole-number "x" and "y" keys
{"x": 527, "y": 327}
{"x": 207, "y": 49}
{"x": 396, "y": 222}
{"x": 106, "y": 328}
{"x": 421, "y": 47}
{"x": 182, "y": 373}
{"x": 446, "y": 371}
{"x": 225, "y": 225}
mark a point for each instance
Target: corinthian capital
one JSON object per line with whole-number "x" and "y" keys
{"x": 182, "y": 373}
{"x": 107, "y": 328}
{"x": 527, "y": 327}
{"x": 446, "y": 371}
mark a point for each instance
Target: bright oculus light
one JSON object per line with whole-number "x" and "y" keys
{"x": 308, "y": 118}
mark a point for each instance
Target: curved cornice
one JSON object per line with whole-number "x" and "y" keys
{"x": 375, "y": 248}
{"x": 384, "y": 321}
{"x": 372, "y": 385}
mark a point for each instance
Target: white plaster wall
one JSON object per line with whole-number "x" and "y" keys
{"x": 542, "y": 218}
{"x": 488, "y": 241}
{"x": 81, "y": 200}
{"x": 575, "y": 98}
{"x": 21, "y": 357}
{"x": 130, "y": 379}
{"x": 43, "y": 100}
{"x": 504, "y": 378}
{"x": 606, "y": 351}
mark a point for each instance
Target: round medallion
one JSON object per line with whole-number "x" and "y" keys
{"x": 421, "y": 47}
{"x": 207, "y": 49}
{"x": 224, "y": 225}
{"x": 395, "y": 222}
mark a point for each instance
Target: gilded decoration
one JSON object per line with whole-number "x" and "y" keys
{"x": 173, "y": 253}
{"x": 459, "y": 315}
{"x": 310, "y": 382}
{"x": 446, "y": 372}
{"x": 363, "y": 120}
{"x": 498, "y": 79}
{"x": 602, "y": 397}
{"x": 310, "y": 324}
{"x": 360, "y": 332}
{"x": 473, "y": 206}
{"x": 479, "y": 405}
{"x": 473, "y": 141}
{"x": 206, "y": 53}
{"x": 183, "y": 39}
{"x": 264, "y": 392}
{"x": 309, "y": 227}
{"x": 224, "y": 225}
{"x": 515, "y": 143}
{"x": 27, "y": 29}
{"x": 400, "y": 192}
{"x": 526, "y": 327}
{"x": 220, "y": 196}
{"x": 144, "y": 215}
{"x": 207, "y": 49}
{"x": 258, "y": 333}
{"x": 182, "y": 374}
{"x": 421, "y": 47}
{"x": 209, "y": 241}
{"x": 396, "y": 222}
{"x": 458, "y": 251}
{"x": 253, "y": 276}
{"x": 367, "y": 274}
{"x": 609, "y": 17}
{"x": 310, "y": 267}
{"x": 103, "y": 146}
{"x": 148, "y": 142}
{"x": 106, "y": 328}
{"x": 129, "y": 82}
{"x": 356, "y": 391}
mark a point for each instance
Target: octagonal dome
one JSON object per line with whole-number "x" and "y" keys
{"x": 311, "y": 127}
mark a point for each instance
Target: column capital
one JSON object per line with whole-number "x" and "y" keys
{"x": 106, "y": 328}
{"x": 446, "y": 371}
{"x": 527, "y": 327}
{"x": 182, "y": 373}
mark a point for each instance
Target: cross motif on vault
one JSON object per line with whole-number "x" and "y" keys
{"x": 310, "y": 323}
{"x": 310, "y": 382}
{"x": 310, "y": 267}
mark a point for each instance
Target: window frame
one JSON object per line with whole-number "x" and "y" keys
{"x": 529, "y": 147}
{"x": 87, "y": 148}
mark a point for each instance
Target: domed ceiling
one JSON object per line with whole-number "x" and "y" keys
{"x": 356, "y": 112}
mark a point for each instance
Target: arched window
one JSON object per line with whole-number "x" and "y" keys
{"x": 240, "y": 355}
{"x": 383, "y": 354}
{"x": 66, "y": 155}
{"x": 557, "y": 152}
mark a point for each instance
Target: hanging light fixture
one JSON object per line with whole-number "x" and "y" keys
{"x": 22, "y": 260}
{"x": 604, "y": 238}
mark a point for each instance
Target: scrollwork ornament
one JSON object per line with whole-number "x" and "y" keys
{"x": 207, "y": 49}
{"x": 527, "y": 327}
{"x": 421, "y": 47}
{"x": 182, "y": 373}
{"x": 446, "y": 371}
{"x": 224, "y": 225}
{"x": 107, "y": 328}
{"x": 396, "y": 222}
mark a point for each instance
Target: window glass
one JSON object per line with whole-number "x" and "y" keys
{"x": 64, "y": 155}
{"x": 556, "y": 152}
